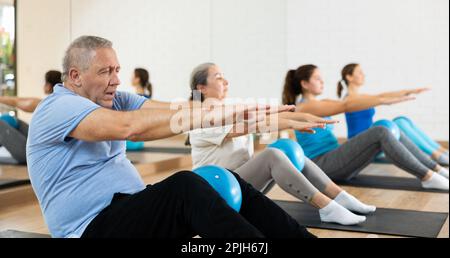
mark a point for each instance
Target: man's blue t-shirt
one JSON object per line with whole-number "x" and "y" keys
{"x": 75, "y": 180}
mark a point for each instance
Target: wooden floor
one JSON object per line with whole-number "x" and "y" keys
{"x": 19, "y": 209}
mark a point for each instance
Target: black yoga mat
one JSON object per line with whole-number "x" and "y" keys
{"x": 21, "y": 234}
{"x": 387, "y": 182}
{"x": 383, "y": 221}
{"x": 163, "y": 150}
{"x": 8, "y": 161}
{"x": 8, "y": 183}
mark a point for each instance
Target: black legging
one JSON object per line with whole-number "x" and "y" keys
{"x": 15, "y": 140}
{"x": 185, "y": 205}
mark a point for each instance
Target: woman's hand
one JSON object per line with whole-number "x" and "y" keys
{"x": 278, "y": 109}
{"x": 306, "y": 117}
{"x": 315, "y": 119}
{"x": 417, "y": 91}
{"x": 304, "y": 127}
{"x": 396, "y": 100}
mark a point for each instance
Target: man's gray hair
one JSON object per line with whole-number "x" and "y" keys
{"x": 81, "y": 52}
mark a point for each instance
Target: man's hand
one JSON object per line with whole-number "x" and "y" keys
{"x": 241, "y": 112}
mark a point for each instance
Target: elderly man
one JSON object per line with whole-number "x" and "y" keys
{"x": 88, "y": 188}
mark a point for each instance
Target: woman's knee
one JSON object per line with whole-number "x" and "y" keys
{"x": 381, "y": 132}
{"x": 275, "y": 155}
{"x": 402, "y": 119}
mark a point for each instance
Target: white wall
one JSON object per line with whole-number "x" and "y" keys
{"x": 249, "y": 43}
{"x": 400, "y": 44}
{"x": 42, "y": 36}
{"x": 167, "y": 37}
{"x": 255, "y": 42}
{"x": 7, "y": 2}
{"x": 172, "y": 37}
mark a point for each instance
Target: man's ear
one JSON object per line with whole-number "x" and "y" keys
{"x": 75, "y": 77}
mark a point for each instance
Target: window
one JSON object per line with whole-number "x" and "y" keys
{"x": 7, "y": 50}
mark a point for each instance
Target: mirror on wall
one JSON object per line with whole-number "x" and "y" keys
{"x": 7, "y": 51}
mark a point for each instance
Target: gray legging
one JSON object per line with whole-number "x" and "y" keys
{"x": 15, "y": 140}
{"x": 417, "y": 152}
{"x": 272, "y": 165}
{"x": 350, "y": 158}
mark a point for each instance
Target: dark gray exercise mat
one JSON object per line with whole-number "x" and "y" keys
{"x": 164, "y": 150}
{"x": 8, "y": 183}
{"x": 8, "y": 161}
{"x": 20, "y": 234}
{"x": 387, "y": 182}
{"x": 383, "y": 221}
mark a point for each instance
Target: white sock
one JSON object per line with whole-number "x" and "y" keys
{"x": 443, "y": 172}
{"x": 335, "y": 213}
{"x": 351, "y": 203}
{"x": 436, "y": 182}
{"x": 443, "y": 160}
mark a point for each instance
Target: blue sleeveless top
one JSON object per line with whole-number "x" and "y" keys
{"x": 318, "y": 144}
{"x": 358, "y": 122}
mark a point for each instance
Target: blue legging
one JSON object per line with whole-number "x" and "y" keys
{"x": 422, "y": 140}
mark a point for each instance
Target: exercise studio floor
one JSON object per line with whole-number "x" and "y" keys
{"x": 19, "y": 209}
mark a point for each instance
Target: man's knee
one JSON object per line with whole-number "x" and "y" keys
{"x": 189, "y": 183}
{"x": 187, "y": 178}
{"x": 4, "y": 125}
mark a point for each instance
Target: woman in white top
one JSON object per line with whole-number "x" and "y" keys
{"x": 234, "y": 150}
